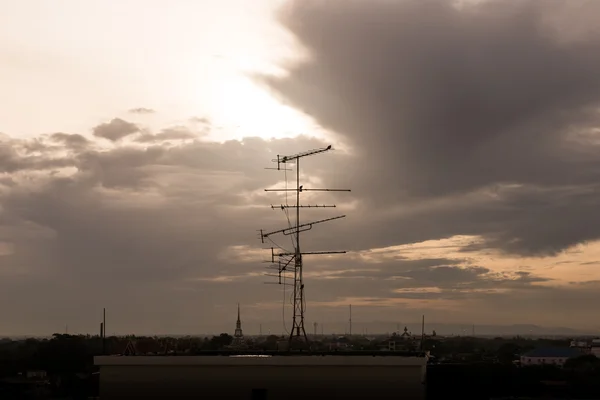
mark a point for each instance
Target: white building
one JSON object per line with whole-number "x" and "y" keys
{"x": 261, "y": 377}
{"x": 550, "y": 356}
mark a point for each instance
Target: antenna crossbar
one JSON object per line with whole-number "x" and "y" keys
{"x": 283, "y": 206}
{"x": 299, "y": 228}
{"x": 307, "y": 190}
{"x": 313, "y": 253}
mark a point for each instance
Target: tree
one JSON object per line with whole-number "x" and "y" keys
{"x": 507, "y": 352}
{"x": 221, "y": 341}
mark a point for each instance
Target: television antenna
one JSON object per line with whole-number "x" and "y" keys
{"x": 284, "y": 262}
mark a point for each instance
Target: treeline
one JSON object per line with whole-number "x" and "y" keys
{"x": 578, "y": 379}
{"x": 64, "y": 354}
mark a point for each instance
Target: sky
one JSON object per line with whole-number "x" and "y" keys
{"x": 134, "y": 138}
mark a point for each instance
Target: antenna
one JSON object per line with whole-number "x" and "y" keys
{"x": 104, "y": 331}
{"x": 293, "y": 260}
{"x": 350, "y": 319}
{"x": 422, "y": 331}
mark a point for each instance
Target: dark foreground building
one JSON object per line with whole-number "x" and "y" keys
{"x": 260, "y": 377}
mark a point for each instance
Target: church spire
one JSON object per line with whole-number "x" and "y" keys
{"x": 238, "y": 325}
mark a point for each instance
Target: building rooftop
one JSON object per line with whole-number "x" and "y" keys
{"x": 557, "y": 352}
{"x": 263, "y": 360}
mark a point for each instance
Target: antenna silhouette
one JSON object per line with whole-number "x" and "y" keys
{"x": 291, "y": 262}
{"x": 350, "y": 320}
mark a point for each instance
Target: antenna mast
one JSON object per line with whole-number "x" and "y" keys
{"x": 293, "y": 260}
{"x": 350, "y": 320}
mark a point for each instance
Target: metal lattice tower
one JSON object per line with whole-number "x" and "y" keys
{"x": 282, "y": 262}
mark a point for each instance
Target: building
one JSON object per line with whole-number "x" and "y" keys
{"x": 581, "y": 345}
{"x": 400, "y": 342}
{"x": 238, "y": 341}
{"x": 340, "y": 342}
{"x": 283, "y": 376}
{"x": 550, "y": 356}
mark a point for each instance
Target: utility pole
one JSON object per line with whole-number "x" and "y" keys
{"x": 422, "y": 332}
{"x": 104, "y": 331}
{"x": 350, "y": 320}
{"x": 284, "y": 261}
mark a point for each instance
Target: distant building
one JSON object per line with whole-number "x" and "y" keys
{"x": 581, "y": 345}
{"x": 400, "y": 342}
{"x": 340, "y": 342}
{"x": 238, "y": 336}
{"x": 550, "y": 356}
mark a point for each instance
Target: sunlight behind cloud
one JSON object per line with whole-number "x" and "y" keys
{"x": 242, "y": 109}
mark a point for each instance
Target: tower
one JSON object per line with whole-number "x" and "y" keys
{"x": 350, "y": 320}
{"x": 238, "y": 335}
{"x": 285, "y": 261}
{"x": 238, "y": 326}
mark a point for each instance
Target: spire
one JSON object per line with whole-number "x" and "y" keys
{"x": 238, "y": 325}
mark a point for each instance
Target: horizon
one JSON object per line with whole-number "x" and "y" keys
{"x": 360, "y": 329}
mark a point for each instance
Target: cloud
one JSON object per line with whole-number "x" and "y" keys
{"x": 103, "y": 222}
{"x": 482, "y": 118}
{"x": 177, "y": 133}
{"x": 115, "y": 130}
{"x": 141, "y": 110}
{"x": 470, "y": 142}
{"x": 148, "y": 228}
{"x": 70, "y": 140}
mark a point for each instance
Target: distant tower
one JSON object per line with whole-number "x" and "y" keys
{"x": 238, "y": 336}
{"x": 350, "y": 319}
{"x": 238, "y": 326}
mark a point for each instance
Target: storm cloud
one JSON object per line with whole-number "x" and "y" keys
{"x": 487, "y": 112}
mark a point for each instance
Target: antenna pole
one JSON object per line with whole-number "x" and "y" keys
{"x": 104, "y": 331}
{"x": 422, "y": 331}
{"x": 298, "y": 318}
{"x": 350, "y": 319}
{"x": 298, "y": 336}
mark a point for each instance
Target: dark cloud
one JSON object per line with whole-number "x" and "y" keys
{"x": 440, "y": 102}
{"x": 115, "y": 130}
